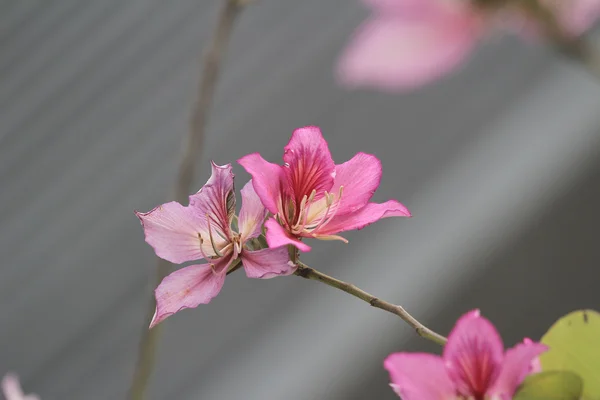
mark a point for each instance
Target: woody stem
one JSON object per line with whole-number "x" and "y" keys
{"x": 307, "y": 272}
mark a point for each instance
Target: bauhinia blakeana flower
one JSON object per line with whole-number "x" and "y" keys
{"x": 310, "y": 196}
{"x": 474, "y": 365}
{"x": 408, "y": 43}
{"x": 203, "y": 230}
{"x": 11, "y": 388}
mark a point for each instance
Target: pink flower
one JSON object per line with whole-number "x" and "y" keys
{"x": 203, "y": 230}
{"x": 409, "y": 43}
{"x": 310, "y": 196}
{"x": 474, "y": 365}
{"x": 11, "y": 388}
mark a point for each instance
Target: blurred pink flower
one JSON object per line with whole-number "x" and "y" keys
{"x": 474, "y": 365}
{"x": 408, "y": 43}
{"x": 11, "y": 388}
{"x": 312, "y": 197}
{"x": 203, "y": 230}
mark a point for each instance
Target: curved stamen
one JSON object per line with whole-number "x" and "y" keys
{"x": 212, "y": 240}
{"x": 327, "y": 218}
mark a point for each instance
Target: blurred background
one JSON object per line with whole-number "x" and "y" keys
{"x": 499, "y": 163}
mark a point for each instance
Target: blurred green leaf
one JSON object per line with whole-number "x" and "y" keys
{"x": 551, "y": 385}
{"x": 574, "y": 342}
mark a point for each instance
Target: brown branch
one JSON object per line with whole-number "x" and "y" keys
{"x": 192, "y": 150}
{"x": 307, "y": 272}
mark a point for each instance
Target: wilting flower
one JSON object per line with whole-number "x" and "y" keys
{"x": 203, "y": 230}
{"x": 408, "y": 43}
{"x": 11, "y": 388}
{"x": 312, "y": 197}
{"x": 474, "y": 365}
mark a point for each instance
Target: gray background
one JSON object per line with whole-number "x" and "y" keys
{"x": 499, "y": 164}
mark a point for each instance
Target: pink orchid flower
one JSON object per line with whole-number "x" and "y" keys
{"x": 312, "y": 197}
{"x": 203, "y": 230}
{"x": 11, "y": 388}
{"x": 474, "y": 365}
{"x": 409, "y": 43}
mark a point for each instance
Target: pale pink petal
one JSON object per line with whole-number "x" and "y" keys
{"x": 536, "y": 365}
{"x": 308, "y": 163}
{"x": 370, "y": 213}
{"x": 393, "y": 52}
{"x": 174, "y": 232}
{"x": 359, "y": 177}
{"x": 277, "y": 236}
{"x": 252, "y": 214}
{"x": 575, "y": 16}
{"x": 215, "y": 202}
{"x": 419, "y": 376}
{"x": 266, "y": 179}
{"x": 516, "y": 366}
{"x": 11, "y": 388}
{"x": 188, "y": 288}
{"x": 473, "y": 354}
{"x": 267, "y": 263}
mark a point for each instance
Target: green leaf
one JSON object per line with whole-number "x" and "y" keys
{"x": 574, "y": 342}
{"x": 550, "y": 385}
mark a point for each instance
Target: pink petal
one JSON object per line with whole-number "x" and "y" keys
{"x": 516, "y": 366}
{"x": 215, "y": 201}
{"x": 360, "y": 177}
{"x": 187, "y": 288}
{"x": 419, "y": 376}
{"x": 266, "y": 179}
{"x": 473, "y": 354}
{"x": 252, "y": 214}
{"x": 370, "y": 213}
{"x": 267, "y": 263}
{"x": 174, "y": 232}
{"x": 400, "y": 52}
{"x": 575, "y": 16}
{"x": 277, "y": 236}
{"x": 308, "y": 163}
{"x": 11, "y": 388}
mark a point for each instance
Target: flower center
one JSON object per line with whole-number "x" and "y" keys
{"x": 310, "y": 215}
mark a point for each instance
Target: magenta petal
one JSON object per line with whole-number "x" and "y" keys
{"x": 360, "y": 177}
{"x": 267, "y": 263}
{"x": 266, "y": 179}
{"x": 187, "y": 288}
{"x": 474, "y": 354}
{"x": 308, "y": 163}
{"x": 277, "y": 236}
{"x": 173, "y": 231}
{"x": 370, "y": 213}
{"x": 402, "y": 52}
{"x": 516, "y": 366}
{"x": 419, "y": 376}
{"x": 252, "y": 214}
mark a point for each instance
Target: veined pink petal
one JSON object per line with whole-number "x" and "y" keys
{"x": 402, "y": 52}
{"x": 267, "y": 263}
{"x": 266, "y": 179}
{"x": 308, "y": 163}
{"x": 252, "y": 214}
{"x": 419, "y": 376}
{"x": 188, "y": 288}
{"x": 11, "y": 388}
{"x": 516, "y": 366}
{"x": 360, "y": 177}
{"x": 174, "y": 232}
{"x": 277, "y": 236}
{"x": 370, "y": 213}
{"x": 215, "y": 202}
{"x": 474, "y": 355}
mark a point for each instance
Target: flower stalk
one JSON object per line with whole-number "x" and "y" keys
{"x": 193, "y": 146}
{"x": 307, "y": 272}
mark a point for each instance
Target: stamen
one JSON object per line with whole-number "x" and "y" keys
{"x": 210, "y": 235}
{"x": 327, "y": 218}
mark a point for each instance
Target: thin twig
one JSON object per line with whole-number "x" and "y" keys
{"x": 192, "y": 151}
{"x": 307, "y": 272}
